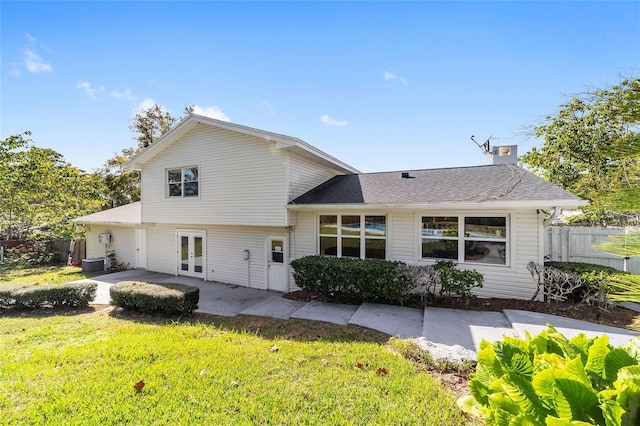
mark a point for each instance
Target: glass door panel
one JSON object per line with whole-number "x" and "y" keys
{"x": 197, "y": 257}
{"x": 191, "y": 253}
{"x": 184, "y": 253}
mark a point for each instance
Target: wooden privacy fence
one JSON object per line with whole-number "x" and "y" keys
{"x": 64, "y": 250}
{"x": 575, "y": 244}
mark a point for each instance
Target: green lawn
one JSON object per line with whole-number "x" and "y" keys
{"x": 81, "y": 368}
{"x": 43, "y": 274}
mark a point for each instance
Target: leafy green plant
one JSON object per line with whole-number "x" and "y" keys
{"x": 39, "y": 295}
{"x": 551, "y": 380}
{"x": 370, "y": 279}
{"x": 456, "y": 282}
{"x": 168, "y": 298}
{"x": 29, "y": 254}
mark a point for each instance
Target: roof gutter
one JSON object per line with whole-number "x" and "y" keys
{"x": 535, "y": 204}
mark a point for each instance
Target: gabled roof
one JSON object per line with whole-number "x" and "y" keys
{"x": 129, "y": 214}
{"x": 282, "y": 142}
{"x": 502, "y": 185}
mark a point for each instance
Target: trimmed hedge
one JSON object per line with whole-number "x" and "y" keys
{"x": 168, "y": 298}
{"x": 39, "y": 295}
{"x": 369, "y": 279}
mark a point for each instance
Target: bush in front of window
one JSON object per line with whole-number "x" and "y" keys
{"x": 456, "y": 282}
{"x": 167, "y": 298}
{"x": 442, "y": 280}
{"x": 43, "y": 295}
{"x": 369, "y": 279}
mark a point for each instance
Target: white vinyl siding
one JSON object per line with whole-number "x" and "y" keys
{"x": 241, "y": 179}
{"x": 225, "y": 246}
{"x": 404, "y": 244}
{"x": 123, "y": 243}
{"x": 304, "y": 175}
{"x": 162, "y": 249}
{"x": 304, "y": 238}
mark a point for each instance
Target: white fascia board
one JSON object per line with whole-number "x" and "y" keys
{"x": 281, "y": 141}
{"x": 541, "y": 204}
{"x": 178, "y": 131}
{"x": 105, "y": 222}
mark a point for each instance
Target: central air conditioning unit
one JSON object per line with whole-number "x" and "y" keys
{"x": 104, "y": 238}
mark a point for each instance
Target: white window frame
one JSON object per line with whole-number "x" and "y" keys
{"x": 462, "y": 239}
{"x": 362, "y": 237}
{"x": 182, "y": 182}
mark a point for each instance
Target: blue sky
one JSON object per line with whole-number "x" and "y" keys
{"x": 381, "y": 86}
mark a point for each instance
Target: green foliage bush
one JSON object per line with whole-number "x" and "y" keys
{"x": 29, "y": 254}
{"x": 550, "y": 380}
{"x": 369, "y": 279}
{"x": 168, "y": 298}
{"x": 456, "y": 282}
{"x": 40, "y": 295}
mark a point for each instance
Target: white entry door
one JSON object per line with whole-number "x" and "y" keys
{"x": 141, "y": 248}
{"x": 277, "y": 263}
{"x": 191, "y": 253}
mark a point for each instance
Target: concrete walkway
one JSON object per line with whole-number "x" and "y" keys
{"x": 439, "y": 325}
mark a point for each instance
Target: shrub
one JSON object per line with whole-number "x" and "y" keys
{"x": 575, "y": 282}
{"x": 550, "y": 380}
{"x": 456, "y": 282}
{"x": 166, "y": 298}
{"x": 28, "y": 254}
{"x": 40, "y": 295}
{"x": 369, "y": 279}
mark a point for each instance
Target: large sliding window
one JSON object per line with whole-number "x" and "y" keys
{"x": 471, "y": 239}
{"x": 358, "y": 236}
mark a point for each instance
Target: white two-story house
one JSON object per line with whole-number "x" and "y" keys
{"x": 233, "y": 204}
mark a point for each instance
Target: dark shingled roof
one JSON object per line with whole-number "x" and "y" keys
{"x": 479, "y": 184}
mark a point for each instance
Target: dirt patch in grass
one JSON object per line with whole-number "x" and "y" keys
{"x": 615, "y": 317}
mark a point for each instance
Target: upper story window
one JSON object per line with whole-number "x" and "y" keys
{"x": 183, "y": 182}
{"x": 359, "y": 236}
{"x": 471, "y": 239}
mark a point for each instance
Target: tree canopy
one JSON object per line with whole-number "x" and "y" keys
{"x": 122, "y": 186}
{"x": 39, "y": 192}
{"x": 150, "y": 124}
{"x": 592, "y": 148}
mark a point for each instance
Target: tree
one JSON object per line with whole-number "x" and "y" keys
{"x": 39, "y": 192}
{"x": 592, "y": 148}
{"x": 150, "y": 124}
{"x": 122, "y": 186}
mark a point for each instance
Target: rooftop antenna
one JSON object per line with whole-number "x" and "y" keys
{"x": 485, "y": 147}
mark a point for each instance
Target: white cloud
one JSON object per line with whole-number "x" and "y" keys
{"x": 211, "y": 112}
{"x": 86, "y": 87}
{"x": 145, "y": 104}
{"x": 392, "y": 76}
{"x": 34, "y": 63}
{"x": 30, "y": 38}
{"x": 331, "y": 122}
{"x": 126, "y": 94}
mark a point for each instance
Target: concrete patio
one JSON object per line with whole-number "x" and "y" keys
{"x": 439, "y": 325}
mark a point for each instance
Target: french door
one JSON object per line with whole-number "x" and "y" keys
{"x": 191, "y": 253}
